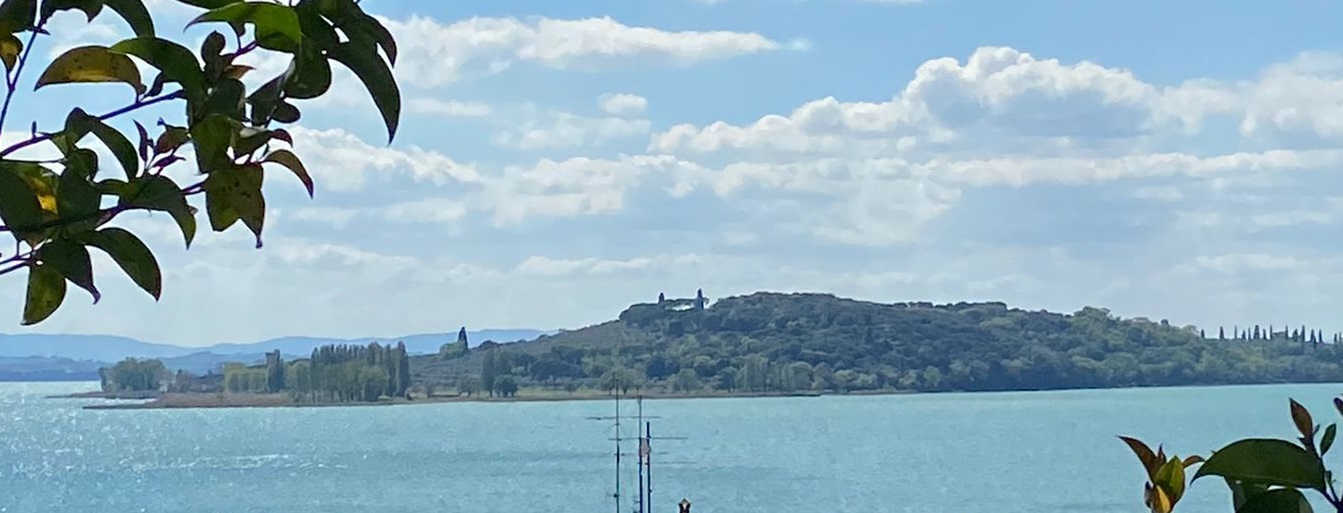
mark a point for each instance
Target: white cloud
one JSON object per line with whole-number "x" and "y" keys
{"x": 565, "y": 130}
{"x": 988, "y": 177}
{"x": 622, "y": 104}
{"x": 449, "y": 108}
{"x": 341, "y": 161}
{"x": 436, "y": 54}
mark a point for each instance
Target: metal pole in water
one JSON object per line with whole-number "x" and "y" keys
{"x": 616, "y": 495}
{"x": 643, "y": 508}
{"x": 648, "y": 460}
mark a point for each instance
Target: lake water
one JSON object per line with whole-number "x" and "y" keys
{"x": 953, "y": 453}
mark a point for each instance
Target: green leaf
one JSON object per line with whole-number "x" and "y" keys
{"x": 207, "y": 4}
{"x": 277, "y": 26}
{"x": 20, "y": 208}
{"x": 18, "y": 15}
{"x": 1301, "y": 417}
{"x": 71, "y": 259}
{"x": 176, "y": 62}
{"x": 160, "y": 193}
{"x": 79, "y": 123}
{"x": 135, "y": 14}
{"x": 1241, "y": 492}
{"x": 309, "y": 74}
{"x": 1327, "y": 440}
{"x": 1265, "y": 461}
{"x": 377, "y": 78}
{"x": 286, "y": 112}
{"x": 235, "y": 194}
{"x": 91, "y": 64}
{"x": 1171, "y": 478}
{"x": 145, "y": 142}
{"x": 1281, "y": 500}
{"x": 316, "y": 29}
{"x": 46, "y": 292}
{"x": 132, "y": 255}
{"x": 357, "y": 25}
{"x": 212, "y": 50}
{"x": 382, "y": 36}
{"x": 264, "y": 101}
{"x": 91, "y": 8}
{"x": 212, "y": 138}
{"x": 227, "y": 98}
{"x": 288, "y": 159}
{"x": 10, "y": 48}
{"x": 78, "y": 197}
{"x": 172, "y": 138}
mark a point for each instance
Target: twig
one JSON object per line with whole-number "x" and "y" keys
{"x": 129, "y": 108}
{"x": 19, "y": 262}
{"x": 13, "y": 82}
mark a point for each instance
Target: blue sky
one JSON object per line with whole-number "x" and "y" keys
{"x": 561, "y": 160}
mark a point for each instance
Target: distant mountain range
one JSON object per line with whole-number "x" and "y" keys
{"x": 40, "y": 357}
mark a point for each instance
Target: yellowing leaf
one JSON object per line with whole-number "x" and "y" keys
{"x": 235, "y": 194}
{"x": 43, "y": 183}
{"x": 92, "y": 64}
{"x": 10, "y": 47}
{"x": 1160, "y": 502}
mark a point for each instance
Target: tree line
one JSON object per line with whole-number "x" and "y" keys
{"x": 133, "y": 375}
{"x": 333, "y": 373}
{"x": 771, "y": 342}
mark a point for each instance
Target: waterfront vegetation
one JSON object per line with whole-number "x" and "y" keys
{"x": 787, "y": 344}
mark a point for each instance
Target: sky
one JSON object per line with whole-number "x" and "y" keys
{"x": 559, "y": 161}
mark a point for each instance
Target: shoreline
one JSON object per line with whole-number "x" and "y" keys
{"x": 157, "y": 401}
{"x": 213, "y": 401}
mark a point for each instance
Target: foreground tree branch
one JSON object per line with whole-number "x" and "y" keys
{"x": 59, "y": 208}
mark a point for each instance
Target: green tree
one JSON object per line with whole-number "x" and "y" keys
{"x": 274, "y": 372}
{"x": 134, "y": 375}
{"x": 685, "y": 381}
{"x": 57, "y": 210}
{"x": 469, "y": 385}
{"x": 490, "y": 370}
{"x": 506, "y": 386}
{"x": 456, "y": 349}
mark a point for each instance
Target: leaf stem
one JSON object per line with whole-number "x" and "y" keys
{"x": 12, "y": 83}
{"x": 16, "y": 262}
{"x": 139, "y": 104}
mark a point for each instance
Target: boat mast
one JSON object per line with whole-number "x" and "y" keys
{"x": 643, "y": 444}
{"x": 648, "y": 461}
{"x": 616, "y": 495}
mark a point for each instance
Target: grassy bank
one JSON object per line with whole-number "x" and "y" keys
{"x": 182, "y": 401}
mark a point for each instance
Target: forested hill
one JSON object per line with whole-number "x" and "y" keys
{"x": 783, "y": 342}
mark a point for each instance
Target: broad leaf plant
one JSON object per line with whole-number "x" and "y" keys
{"x": 58, "y": 210}
{"x": 1264, "y": 475}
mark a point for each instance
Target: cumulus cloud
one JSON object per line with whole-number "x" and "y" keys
{"x": 928, "y": 191}
{"x": 622, "y": 104}
{"x": 436, "y": 53}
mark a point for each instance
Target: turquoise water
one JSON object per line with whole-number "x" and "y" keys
{"x": 953, "y": 453}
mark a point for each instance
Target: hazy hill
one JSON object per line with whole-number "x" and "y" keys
{"x": 41, "y": 357}
{"x": 772, "y": 341}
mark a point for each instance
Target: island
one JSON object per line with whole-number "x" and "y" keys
{"x": 760, "y": 345}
